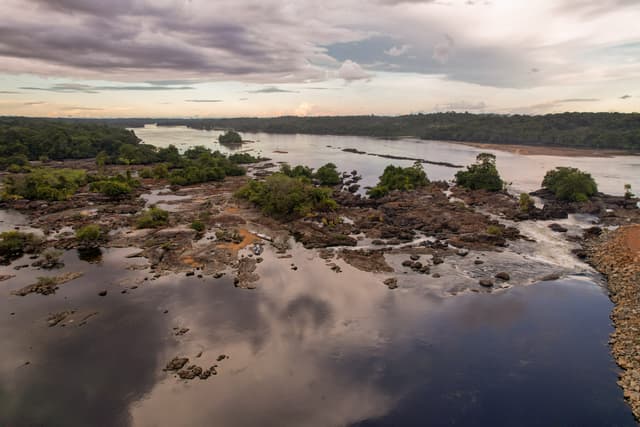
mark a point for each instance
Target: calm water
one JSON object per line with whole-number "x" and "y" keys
{"x": 312, "y": 347}
{"x": 524, "y": 172}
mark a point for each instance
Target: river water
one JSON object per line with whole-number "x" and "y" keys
{"x": 312, "y": 347}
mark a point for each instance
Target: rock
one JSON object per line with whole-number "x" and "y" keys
{"x": 176, "y": 364}
{"x": 102, "y": 293}
{"x": 190, "y": 373}
{"x": 407, "y": 263}
{"x": 436, "y": 275}
{"x": 580, "y": 253}
{"x": 478, "y": 262}
{"x": 190, "y": 273}
{"x": 550, "y": 277}
{"x": 414, "y": 257}
{"x": 462, "y": 252}
{"x": 437, "y": 260}
{"x": 557, "y": 228}
{"x": 221, "y": 357}
{"x": 487, "y": 283}
{"x": 503, "y": 275}
{"x": 392, "y": 283}
{"x": 180, "y": 331}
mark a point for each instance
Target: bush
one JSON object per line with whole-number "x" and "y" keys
{"x": 282, "y": 196}
{"x": 627, "y": 191}
{"x": 89, "y": 235}
{"x": 399, "y": 178}
{"x": 198, "y": 226}
{"x": 15, "y": 243}
{"x": 570, "y": 184}
{"x": 160, "y": 171}
{"x": 298, "y": 171}
{"x": 201, "y": 165}
{"x": 494, "y": 230}
{"x": 45, "y": 184}
{"x": 243, "y": 158}
{"x": 153, "y": 218}
{"x": 112, "y": 188}
{"x": 230, "y": 137}
{"x": 328, "y": 175}
{"x": 526, "y": 202}
{"x": 483, "y": 175}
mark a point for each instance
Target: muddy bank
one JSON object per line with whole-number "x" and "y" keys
{"x": 617, "y": 255}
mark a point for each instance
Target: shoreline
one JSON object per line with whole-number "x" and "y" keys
{"x": 617, "y": 256}
{"x": 545, "y": 150}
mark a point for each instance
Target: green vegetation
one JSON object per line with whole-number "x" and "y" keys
{"x": 482, "y": 175}
{"x": 153, "y": 218}
{"x": 244, "y": 158}
{"x": 587, "y": 130}
{"x": 526, "y": 202}
{"x": 112, "y": 188}
{"x": 15, "y": 243}
{"x": 570, "y": 184}
{"x": 230, "y": 137}
{"x": 298, "y": 171}
{"x": 199, "y": 164}
{"x": 89, "y": 235}
{"x": 328, "y": 175}
{"x": 45, "y": 184}
{"x": 494, "y": 230}
{"x": 198, "y": 226}
{"x": 23, "y": 139}
{"x": 627, "y": 191}
{"x": 159, "y": 171}
{"x": 285, "y": 197}
{"x": 399, "y": 178}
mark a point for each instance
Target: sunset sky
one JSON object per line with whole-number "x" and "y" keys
{"x": 214, "y": 58}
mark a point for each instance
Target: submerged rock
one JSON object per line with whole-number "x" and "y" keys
{"x": 392, "y": 283}
{"x": 176, "y": 364}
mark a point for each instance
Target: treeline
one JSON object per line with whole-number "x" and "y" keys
{"x": 583, "y": 130}
{"x": 24, "y": 139}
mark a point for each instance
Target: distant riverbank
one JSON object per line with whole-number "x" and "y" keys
{"x": 545, "y": 150}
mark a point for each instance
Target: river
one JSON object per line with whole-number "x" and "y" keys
{"x": 315, "y": 348}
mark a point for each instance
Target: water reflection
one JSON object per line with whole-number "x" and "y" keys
{"x": 524, "y": 172}
{"x": 308, "y": 347}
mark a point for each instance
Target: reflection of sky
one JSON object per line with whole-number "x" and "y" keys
{"x": 524, "y": 172}
{"x": 307, "y": 347}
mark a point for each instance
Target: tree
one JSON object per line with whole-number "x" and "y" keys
{"x": 483, "y": 175}
{"x": 570, "y": 184}
{"x": 399, "y": 178}
{"x": 627, "y": 191}
{"x": 230, "y": 137}
{"x": 328, "y": 175}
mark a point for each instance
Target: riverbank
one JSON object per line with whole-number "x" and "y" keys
{"x": 617, "y": 255}
{"x": 547, "y": 150}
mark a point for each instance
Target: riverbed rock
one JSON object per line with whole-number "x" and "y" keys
{"x": 176, "y": 364}
{"x": 391, "y": 282}
{"x": 503, "y": 275}
{"x": 487, "y": 283}
{"x": 557, "y": 228}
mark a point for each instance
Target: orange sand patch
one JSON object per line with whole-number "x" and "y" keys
{"x": 188, "y": 260}
{"x": 248, "y": 238}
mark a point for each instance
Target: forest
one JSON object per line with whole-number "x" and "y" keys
{"x": 580, "y": 130}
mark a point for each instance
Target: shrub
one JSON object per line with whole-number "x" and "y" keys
{"x": 627, "y": 191}
{"x": 282, "y": 196}
{"x": 526, "y": 202}
{"x": 230, "y": 137}
{"x": 160, "y": 171}
{"x": 15, "y": 243}
{"x": 298, "y": 171}
{"x": 328, "y": 175}
{"x": 153, "y": 218}
{"x": 146, "y": 173}
{"x": 570, "y": 184}
{"x": 89, "y": 235}
{"x": 45, "y": 184}
{"x": 198, "y": 226}
{"x": 482, "y": 175}
{"x": 243, "y": 158}
{"x": 399, "y": 178}
{"x": 494, "y": 230}
{"x": 112, "y": 188}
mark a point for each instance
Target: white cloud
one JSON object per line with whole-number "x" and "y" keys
{"x": 398, "y": 50}
{"x": 351, "y": 71}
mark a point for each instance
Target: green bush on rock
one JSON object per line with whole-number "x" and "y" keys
{"x": 45, "y": 184}
{"x": 284, "y": 197}
{"x": 482, "y": 175}
{"x": 399, "y": 178}
{"x": 89, "y": 235}
{"x": 15, "y": 243}
{"x": 153, "y": 218}
{"x": 570, "y": 184}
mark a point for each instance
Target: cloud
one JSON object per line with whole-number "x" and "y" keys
{"x": 82, "y": 109}
{"x": 272, "y": 89}
{"x": 444, "y": 49}
{"x": 34, "y": 103}
{"x": 570, "y": 100}
{"x": 398, "y": 50}
{"x": 9, "y": 92}
{"x": 351, "y": 71}
{"x": 304, "y": 109}
{"x": 83, "y": 88}
{"x": 203, "y": 100}
{"x": 625, "y": 97}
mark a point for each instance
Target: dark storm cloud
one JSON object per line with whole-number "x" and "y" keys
{"x": 82, "y": 88}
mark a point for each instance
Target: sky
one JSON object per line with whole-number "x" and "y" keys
{"x": 231, "y": 58}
